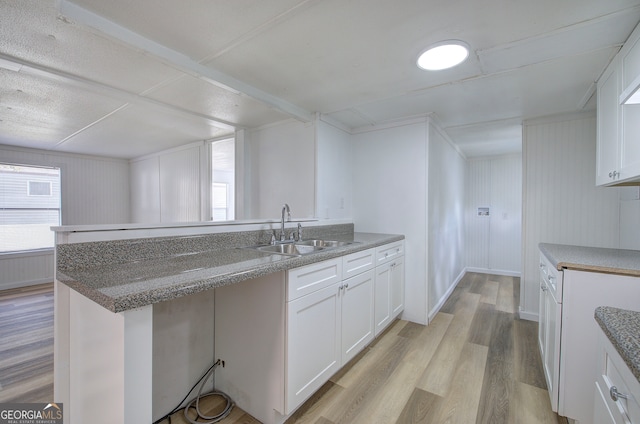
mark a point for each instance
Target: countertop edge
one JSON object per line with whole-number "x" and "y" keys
{"x": 620, "y": 335}
{"x": 592, "y": 259}
{"x": 150, "y": 297}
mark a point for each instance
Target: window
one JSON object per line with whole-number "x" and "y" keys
{"x": 29, "y": 206}
{"x": 223, "y": 180}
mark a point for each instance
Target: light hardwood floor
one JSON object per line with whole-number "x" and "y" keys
{"x": 475, "y": 363}
{"x": 26, "y": 344}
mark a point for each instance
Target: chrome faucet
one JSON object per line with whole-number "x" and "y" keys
{"x": 283, "y": 237}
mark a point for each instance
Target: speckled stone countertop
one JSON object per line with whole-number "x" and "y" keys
{"x": 120, "y": 285}
{"x": 594, "y": 259}
{"x": 622, "y": 327}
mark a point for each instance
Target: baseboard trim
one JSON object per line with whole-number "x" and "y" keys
{"x": 493, "y": 271}
{"x": 20, "y": 284}
{"x": 529, "y": 316}
{"x": 444, "y": 298}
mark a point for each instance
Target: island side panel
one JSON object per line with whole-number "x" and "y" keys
{"x": 583, "y": 293}
{"x": 182, "y": 348}
{"x": 61, "y": 345}
{"x": 250, "y": 339}
{"x": 110, "y": 376}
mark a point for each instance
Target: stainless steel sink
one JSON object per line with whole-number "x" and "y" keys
{"x": 300, "y": 248}
{"x": 289, "y": 249}
{"x": 323, "y": 243}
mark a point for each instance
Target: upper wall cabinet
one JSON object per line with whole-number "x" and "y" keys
{"x": 618, "y": 149}
{"x": 609, "y": 112}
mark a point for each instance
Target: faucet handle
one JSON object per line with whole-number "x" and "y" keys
{"x": 273, "y": 237}
{"x": 299, "y": 231}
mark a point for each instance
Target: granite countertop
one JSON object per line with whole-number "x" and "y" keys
{"x": 125, "y": 286}
{"x": 622, "y": 327}
{"x": 593, "y": 259}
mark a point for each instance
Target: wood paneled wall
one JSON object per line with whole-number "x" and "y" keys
{"x": 95, "y": 190}
{"x": 493, "y": 243}
{"x": 561, "y": 202}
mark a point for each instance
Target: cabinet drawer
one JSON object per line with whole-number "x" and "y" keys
{"x": 308, "y": 279}
{"x": 357, "y": 263}
{"x": 389, "y": 251}
{"x": 615, "y": 373}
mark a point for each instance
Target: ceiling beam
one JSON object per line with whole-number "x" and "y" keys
{"x": 178, "y": 60}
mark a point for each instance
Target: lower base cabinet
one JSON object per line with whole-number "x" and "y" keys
{"x": 389, "y": 285}
{"x": 325, "y": 329}
{"x": 284, "y": 335}
{"x": 617, "y": 391}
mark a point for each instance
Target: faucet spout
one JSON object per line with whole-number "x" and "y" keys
{"x": 285, "y": 207}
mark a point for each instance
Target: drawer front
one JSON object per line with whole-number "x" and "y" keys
{"x": 624, "y": 408}
{"x": 553, "y": 278}
{"x": 357, "y": 263}
{"x": 389, "y": 251}
{"x": 308, "y": 279}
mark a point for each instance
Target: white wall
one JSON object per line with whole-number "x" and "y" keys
{"x": 95, "y": 190}
{"x": 334, "y": 173}
{"x": 561, "y": 203}
{"x": 282, "y": 163}
{"x": 390, "y": 196}
{"x": 446, "y": 219}
{"x": 171, "y": 186}
{"x": 493, "y": 243}
{"x": 630, "y": 218}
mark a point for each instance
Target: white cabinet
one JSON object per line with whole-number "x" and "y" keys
{"x": 549, "y": 327}
{"x": 609, "y": 109}
{"x": 613, "y": 377}
{"x": 313, "y": 343}
{"x": 568, "y": 333}
{"x": 357, "y": 314}
{"x": 329, "y": 320}
{"x": 618, "y": 139}
{"x": 283, "y": 335}
{"x": 389, "y": 284}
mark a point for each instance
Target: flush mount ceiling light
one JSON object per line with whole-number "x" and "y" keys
{"x": 443, "y": 55}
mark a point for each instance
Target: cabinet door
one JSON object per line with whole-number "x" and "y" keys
{"x": 551, "y": 357}
{"x": 357, "y": 314}
{"x": 382, "y": 308}
{"x": 313, "y": 343}
{"x": 607, "y": 154}
{"x": 542, "y": 316}
{"x": 397, "y": 286}
{"x": 630, "y": 142}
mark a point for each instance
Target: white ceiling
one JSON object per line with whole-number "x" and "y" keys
{"x": 125, "y": 78}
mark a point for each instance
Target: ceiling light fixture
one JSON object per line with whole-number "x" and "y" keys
{"x": 443, "y": 55}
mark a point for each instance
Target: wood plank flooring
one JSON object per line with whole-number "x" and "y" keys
{"x": 26, "y": 347}
{"x": 475, "y": 363}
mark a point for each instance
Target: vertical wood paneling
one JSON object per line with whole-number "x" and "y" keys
{"x": 505, "y": 244}
{"x": 26, "y": 269}
{"x": 477, "y": 194}
{"x": 561, "y": 202}
{"x": 145, "y": 190}
{"x": 494, "y": 242}
{"x": 94, "y": 191}
{"x": 180, "y": 181}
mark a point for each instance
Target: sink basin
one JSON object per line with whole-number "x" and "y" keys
{"x": 323, "y": 243}
{"x": 289, "y": 249}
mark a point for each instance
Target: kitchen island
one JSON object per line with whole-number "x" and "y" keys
{"x": 120, "y": 304}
